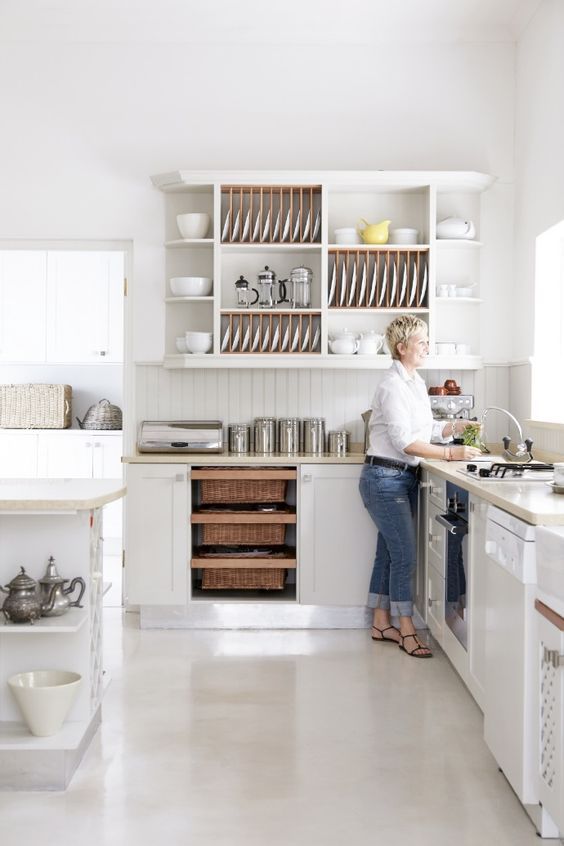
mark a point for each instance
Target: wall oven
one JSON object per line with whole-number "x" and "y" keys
{"x": 455, "y": 523}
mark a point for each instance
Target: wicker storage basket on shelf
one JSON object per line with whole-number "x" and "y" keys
{"x": 243, "y": 490}
{"x": 262, "y": 533}
{"x": 35, "y": 406}
{"x": 254, "y": 578}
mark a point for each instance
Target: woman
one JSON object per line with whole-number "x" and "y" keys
{"x": 400, "y": 430}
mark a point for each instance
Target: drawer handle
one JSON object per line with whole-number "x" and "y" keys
{"x": 180, "y": 477}
{"x": 553, "y": 657}
{"x": 433, "y": 538}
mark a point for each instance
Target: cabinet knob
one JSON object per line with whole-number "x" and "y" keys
{"x": 307, "y": 477}
{"x": 180, "y": 477}
{"x": 431, "y": 601}
{"x": 433, "y": 538}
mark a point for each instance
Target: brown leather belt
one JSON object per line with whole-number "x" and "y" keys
{"x": 389, "y": 462}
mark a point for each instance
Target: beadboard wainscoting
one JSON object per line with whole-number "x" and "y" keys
{"x": 340, "y": 396}
{"x": 549, "y": 438}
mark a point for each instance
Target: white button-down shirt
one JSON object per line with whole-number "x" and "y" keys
{"x": 401, "y": 414}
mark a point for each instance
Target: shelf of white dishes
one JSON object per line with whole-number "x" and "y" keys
{"x": 71, "y": 621}
{"x": 452, "y": 300}
{"x": 312, "y": 361}
{"x": 189, "y": 299}
{"x": 457, "y": 243}
{"x": 190, "y": 242}
{"x": 270, "y": 248}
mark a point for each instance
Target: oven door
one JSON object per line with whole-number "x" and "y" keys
{"x": 456, "y": 574}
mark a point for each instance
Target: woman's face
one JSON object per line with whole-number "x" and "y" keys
{"x": 414, "y": 353}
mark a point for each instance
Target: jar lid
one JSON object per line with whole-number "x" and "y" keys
{"x": 301, "y": 273}
{"x": 267, "y": 274}
{"x": 241, "y": 282}
{"x": 22, "y": 581}
{"x": 51, "y": 576}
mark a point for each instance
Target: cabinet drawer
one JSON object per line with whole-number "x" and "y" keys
{"x": 437, "y": 491}
{"x": 435, "y": 534}
{"x": 435, "y": 603}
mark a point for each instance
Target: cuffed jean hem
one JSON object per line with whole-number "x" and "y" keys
{"x": 379, "y": 600}
{"x": 403, "y": 608}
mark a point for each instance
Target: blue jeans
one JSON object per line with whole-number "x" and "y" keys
{"x": 390, "y": 497}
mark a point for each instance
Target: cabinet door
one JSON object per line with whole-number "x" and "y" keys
{"x": 337, "y": 538}
{"x": 477, "y": 599}
{"x": 106, "y": 456}
{"x": 18, "y": 456}
{"x": 22, "y": 305}
{"x": 156, "y": 534}
{"x": 85, "y": 307}
{"x": 435, "y": 603}
{"x": 66, "y": 456}
{"x": 551, "y": 718}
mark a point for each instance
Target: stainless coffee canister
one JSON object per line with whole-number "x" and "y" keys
{"x": 338, "y": 442}
{"x": 314, "y": 435}
{"x": 265, "y": 435}
{"x": 239, "y": 438}
{"x": 289, "y": 435}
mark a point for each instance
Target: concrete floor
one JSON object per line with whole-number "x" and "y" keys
{"x": 276, "y": 738}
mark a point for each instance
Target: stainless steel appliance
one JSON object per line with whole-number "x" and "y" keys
{"x": 506, "y": 471}
{"x": 181, "y": 436}
{"x": 455, "y": 522}
{"x": 449, "y": 407}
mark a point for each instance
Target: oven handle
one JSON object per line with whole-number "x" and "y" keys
{"x": 460, "y": 527}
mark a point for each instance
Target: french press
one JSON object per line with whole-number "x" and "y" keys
{"x": 244, "y": 293}
{"x": 266, "y": 283}
{"x": 300, "y": 286}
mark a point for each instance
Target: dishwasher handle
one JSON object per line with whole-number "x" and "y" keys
{"x": 453, "y": 524}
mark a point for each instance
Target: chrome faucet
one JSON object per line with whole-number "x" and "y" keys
{"x": 524, "y": 446}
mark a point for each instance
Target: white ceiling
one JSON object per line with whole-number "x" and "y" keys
{"x": 270, "y": 21}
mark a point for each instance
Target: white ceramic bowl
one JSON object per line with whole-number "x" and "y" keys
{"x": 181, "y": 345}
{"x": 193, "y": 224}
{"x": 347, "y": 235}
{"x": 404, "y": 236}
{"x": 199, "y": 342}
{"x": 445, "y": 348}
{"x": 191, "y": 286}
{"x": 45, "y": 698}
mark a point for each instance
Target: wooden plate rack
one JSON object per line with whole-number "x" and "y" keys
{"x": 263, "y": 333}
{"x": 271, "y": 214}
{"x": 378, "y": 278}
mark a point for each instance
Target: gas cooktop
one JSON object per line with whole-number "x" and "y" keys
{"x": 509, "y": 471}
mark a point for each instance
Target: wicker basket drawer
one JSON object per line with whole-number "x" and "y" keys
{"x": 229, "y": 533}
{"x": 35, "y": 406}
{"x": 243, "y": 490}
{"x": 252, "y": 578}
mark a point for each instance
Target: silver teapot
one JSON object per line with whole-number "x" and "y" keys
{"x": 23, "y": 603}
{"x": 55, "y": 597}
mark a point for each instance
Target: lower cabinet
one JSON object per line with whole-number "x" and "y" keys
{"x": 435, "y": 599}
{"x": 157, "y": 534}
{"x": 19, "y": 455}
{"x": 477, "y": 600}
{"x": 337, "y": 538}
{"x": 551, "y": 716}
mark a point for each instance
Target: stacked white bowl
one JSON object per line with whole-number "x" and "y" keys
{"x": 199, "y": 342}
{"x": 191, "y": 286}
{"x": 193, "y": 224}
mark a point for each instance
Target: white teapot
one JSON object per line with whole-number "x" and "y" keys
{"x": 370, "y": 343}
{"x": 456, "y": 227}
{"x": 343, "y": 343}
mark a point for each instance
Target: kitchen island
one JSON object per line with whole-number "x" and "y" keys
{"x": 62, "y": 518}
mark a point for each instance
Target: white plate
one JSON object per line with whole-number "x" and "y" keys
{"x": 295, "y": 339}
{"x": 274, "y": 344}
{"x": 305, "y": 339}
{"x": 315, "y": 341}
{"x": 393, "y": 283}
{"x": 265, "y": 339}
{"x": 343, "y": 283}
{"x": 256, "y": 340}
{"x": 559, "y": 489}
{"x": 256, "y": 228}
{"x": 235, "y": 343}
{"x": 296, "y": 231}
{"x": 373, "y": 284}
{"x": 333, "y": 283}
{"x": 353, "y": 285}
{"x": 403, "y": 285}
{"x": 362, "y": 290}
{"x": 225, "y": 232}
{"x": 423, "y": 287}
{"x": 266, "y": 227}
{"x": 225, "y": 339}
{"x": 285, "y": 339}
{"x": 246, "y": 227}
{"x": 246, "y": 340}
{"x": 235, "y": 235}
{"x": 413, "y": 284}
{"x": 306, "y": 227}
{"x": 276, "y": 229}
{"x": 286, "y": 227}
{"x": 384, "y": 284}
{"x": 316, "y": 225}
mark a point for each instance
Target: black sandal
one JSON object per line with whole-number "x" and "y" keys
{"x": 418, "y": 652}
{"x": 385, "y": 639}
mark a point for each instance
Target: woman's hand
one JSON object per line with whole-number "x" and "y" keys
{"x": 463, "y": 453}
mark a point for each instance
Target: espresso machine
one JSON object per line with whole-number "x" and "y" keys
{"x": 450, "y": 407}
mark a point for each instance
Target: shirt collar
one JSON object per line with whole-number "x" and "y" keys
{"x": 400, "y": 369}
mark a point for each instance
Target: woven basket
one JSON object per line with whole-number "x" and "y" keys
{"x": 103, "y": 415}
{"x": 35, "y": 406}
{"x": 243, "y": 490}
{"x": 263, "y": 533}
{"x": 258, "y": 578}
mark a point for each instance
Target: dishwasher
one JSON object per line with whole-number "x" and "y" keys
{"x": 512, "y": 662}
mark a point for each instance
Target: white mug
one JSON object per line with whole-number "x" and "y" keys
{"x": 559, "y": 474}
{"x": 444, "y": 348}
{"x": 442, "y": 291}
{"x": 463, "y": 349}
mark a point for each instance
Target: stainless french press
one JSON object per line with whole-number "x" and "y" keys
{"x": 244, "y": 291}
{"x": 266, "y": 289}
{"x": 299, "y": 284}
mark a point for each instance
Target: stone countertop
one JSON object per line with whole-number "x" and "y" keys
{"x": 230, "y": 460}
{"x": 36, "y": 495}
{"x": 533, "y": 501}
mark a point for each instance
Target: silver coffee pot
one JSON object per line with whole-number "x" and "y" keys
{"x": 55, "y": 597}
{"x": 267, "y": 294}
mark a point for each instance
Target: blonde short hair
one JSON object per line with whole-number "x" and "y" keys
{"x": 401, "y": 330}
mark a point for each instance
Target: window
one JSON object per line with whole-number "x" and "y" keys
{"x": 547, "y": 396}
